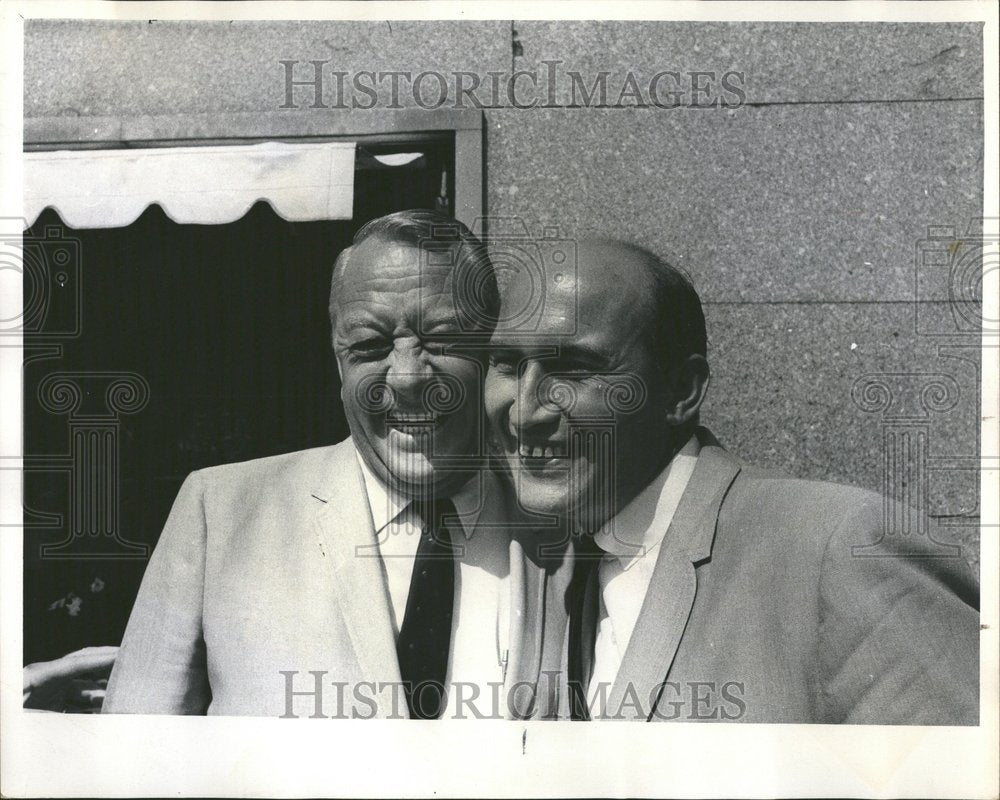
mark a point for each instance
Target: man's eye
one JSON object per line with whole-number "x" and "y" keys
{"x": 578, "y": 368}
{"x": 370, "y": 348}
{"x": 503, "y": 362}
{"x": 436, "y": 346}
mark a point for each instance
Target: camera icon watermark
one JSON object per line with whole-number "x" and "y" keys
{"x": 49, "y": 268}
{"x": 952, "y": 267}
{"x": 503, "y": 278}
{"x": 530, "y": 269}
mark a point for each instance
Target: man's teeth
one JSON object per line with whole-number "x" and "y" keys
{"x": 410, "y": 423}
{"x": 549, "y": 451}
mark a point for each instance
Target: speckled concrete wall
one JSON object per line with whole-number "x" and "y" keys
{"x": 131, "y": 68}
{"x": 798, "y": 215}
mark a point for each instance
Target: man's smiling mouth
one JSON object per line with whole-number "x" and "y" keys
{"x": 413, "y": 424}
{"x": 542, "y": 451}
{"x": 539, "y": 455}
{"x": 411, "y": 418}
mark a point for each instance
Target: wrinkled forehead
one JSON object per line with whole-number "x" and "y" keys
{"x": 390, "y": 264}
{"x": 428, "y": 284}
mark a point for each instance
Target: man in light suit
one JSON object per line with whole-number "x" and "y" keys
{"x": 708, "y": 589}
{"x": 374, "y": 578}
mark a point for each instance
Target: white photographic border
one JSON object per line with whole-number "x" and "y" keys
{"x": 48, "y": 755}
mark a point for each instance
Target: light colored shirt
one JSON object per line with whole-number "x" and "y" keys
{"x": 631, "y": 542}
{"x": 482, "y": 592}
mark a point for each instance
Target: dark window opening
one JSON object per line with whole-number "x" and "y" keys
{"x": 228, "y": 326}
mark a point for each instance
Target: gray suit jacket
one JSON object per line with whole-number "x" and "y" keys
{"x": 766, "y": 606}
{"x": 266, "y": 583}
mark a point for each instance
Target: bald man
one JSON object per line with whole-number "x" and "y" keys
{"x": 707, "y": 589}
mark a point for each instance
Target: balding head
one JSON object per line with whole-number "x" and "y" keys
{"x": 612, "y": 283}
{"x": 641, "y": 280}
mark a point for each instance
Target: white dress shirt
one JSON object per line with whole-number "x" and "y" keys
{"x": 631, "y": 543}
{"x": 482, "y": 593}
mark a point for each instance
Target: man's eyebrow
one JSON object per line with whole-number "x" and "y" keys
{"x": 356, "y": 323}
{"x": 583, "y": 354}
{"x": 529, "y": 348}
{"x": 516, "y": 345}
{"x": 434, "y": 323}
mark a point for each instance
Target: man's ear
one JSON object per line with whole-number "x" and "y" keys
{"x": 340, "y": 377}
{"x": 688, "y": 386}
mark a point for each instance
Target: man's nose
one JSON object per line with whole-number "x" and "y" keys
{"x": 407, "y": 375}
{"x": 530, "y": 408}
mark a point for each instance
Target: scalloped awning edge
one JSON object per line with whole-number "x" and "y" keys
{"x": 209, "y": 185}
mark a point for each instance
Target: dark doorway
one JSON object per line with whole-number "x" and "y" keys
{"x": 227, "y": 325}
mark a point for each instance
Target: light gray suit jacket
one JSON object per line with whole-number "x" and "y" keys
{"x": 783, "y": 600}
{"x": 270, "y": 567}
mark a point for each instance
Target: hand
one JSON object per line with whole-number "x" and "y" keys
{"x": 75, "y": 682}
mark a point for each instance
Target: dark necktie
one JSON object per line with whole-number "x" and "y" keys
{"x": 425, "y": 636}
{"x": 584, "y": 601}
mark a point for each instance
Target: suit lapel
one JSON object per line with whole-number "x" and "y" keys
{"x": 526, "y": 586}
{"x": 541, "y": 569}
{"x": 672, "y": 589}
{"x": 347, "y": 543}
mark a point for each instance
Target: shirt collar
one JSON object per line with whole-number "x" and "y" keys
{"x": 386, "y": 504}
{"x": 642, "y": 524}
